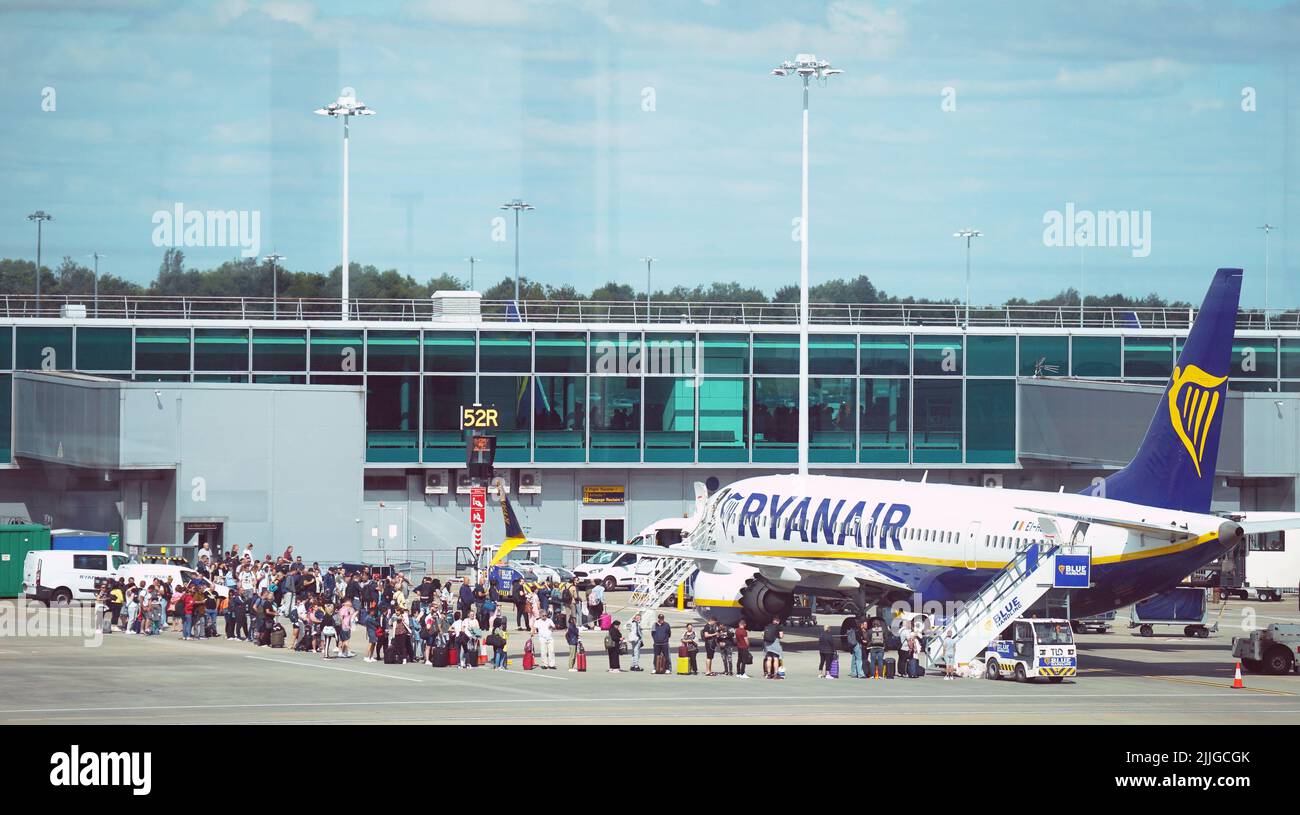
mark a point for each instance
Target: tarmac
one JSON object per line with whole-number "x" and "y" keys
{"x": 1123, "y": 678}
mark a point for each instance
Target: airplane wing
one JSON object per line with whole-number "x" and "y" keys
{"x": 1170, "y": 531}
{"x": 1254, "y": 522}
{"x": 781, "y": 570}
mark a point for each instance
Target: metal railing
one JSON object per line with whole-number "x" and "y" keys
{"x": 661, "y": 313}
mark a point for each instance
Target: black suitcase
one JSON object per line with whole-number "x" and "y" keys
{"x": 889, "y": 668}
{"x": 440, "y": 656}
{"x": 210, "y": 631}
{"x": 390, "y": 656}
{"x": 275, "y": 638}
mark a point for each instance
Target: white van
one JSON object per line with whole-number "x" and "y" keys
{"x": 619, "y": 570}
{"x": 64, "y": 575}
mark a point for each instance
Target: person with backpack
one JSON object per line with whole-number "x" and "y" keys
{"x": 497, "y": 639}
{"x": 595, "y": 604}
{"x": 613, "y": 645}
{"x": 726, "y": 647}
{"x": 876, "y": 650}
{"x": 487, "y": 610}
{"x": 772, "y": 654}
{"x": 480, "y": 603}
{"x": 710, "y": 636}
{"x": 661, "y": 636}
{"x": 692, "y": 648}
{"x": 346, "y": 616}
{"x": 858, "y": 638}
{"x": 903, "y": 650}
{"x": 521, "y": 605}
{"x": 634, "y": 637}
{"x": 573, "y": 637}
{"x": 328, "y": 631}
{"x": 567, "y": 598}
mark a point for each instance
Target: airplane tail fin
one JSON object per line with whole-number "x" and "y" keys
{"x": 514, "y": 532}
{"x": 1174, "y": 466}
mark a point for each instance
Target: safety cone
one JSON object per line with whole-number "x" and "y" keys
{"x": 1236, "y": 680}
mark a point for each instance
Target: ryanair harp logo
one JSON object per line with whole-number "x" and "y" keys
{"x": 1193, "y": 403}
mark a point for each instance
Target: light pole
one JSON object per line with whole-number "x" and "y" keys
{"x": 472, "y": 260}
{"x": 968, "y": 234}
{"x": 1267, "y": 229}
{"x": 518, "y": 205}
{"x": 40, "y": 216}
{"x": 806, "y": 67}
{"x": 345, "y": 108}
{"x": 96, "y": 256}
{"x": 273, "y": 259}
{"x": 648, "y": 261}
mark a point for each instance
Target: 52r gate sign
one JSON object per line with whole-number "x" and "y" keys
{"x": 478, "y": 417}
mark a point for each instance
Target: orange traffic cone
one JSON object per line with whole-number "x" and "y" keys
{"x": 1236, "y": 680}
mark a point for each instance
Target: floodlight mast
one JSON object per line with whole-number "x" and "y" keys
{"x": 345, "y": 108}
{"x": 807, "y": 67}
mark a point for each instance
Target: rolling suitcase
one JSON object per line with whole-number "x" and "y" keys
{"x": 276, "y": 639}
{"x": 481, "y": 653}
{"x": 661, "y": 664}
{"x": 889, "y": 667}
{"x": 835, "y": 667}
{"x": 453, "y": 655}
{"x": 582, "y": 659}
{"x": 605, "y": 621}
{"x": 439, "y": 658}
{"x": 390, "y": 656}
{"x": 529, "y": 661}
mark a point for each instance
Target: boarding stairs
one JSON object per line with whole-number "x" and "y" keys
{"x": 1003, "y": 600}
{"x": 658, "y": 584}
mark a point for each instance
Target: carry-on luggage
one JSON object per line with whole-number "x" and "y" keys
{"x": 915, "y": 669}
{"x": 605, "y": 621}
{"x": 661, "y": 664}
{"x": 276, "y": 636}
{"x": 439, "y": 658}
{"x": 453, "y": 655}
{"x": 889, "y": 668}
{"x": 390, "y": 656}
{"x": 582, "y": 658}
{"x": 835, "y": 668}
{"x": 529, "y": 661}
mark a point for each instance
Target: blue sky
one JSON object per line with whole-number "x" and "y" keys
{"x": 1107, "y": 105}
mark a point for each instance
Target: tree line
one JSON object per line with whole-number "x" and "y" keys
{"x": 249, "y": 277}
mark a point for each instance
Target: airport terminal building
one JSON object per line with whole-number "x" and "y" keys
{"x": 230, "y": 421}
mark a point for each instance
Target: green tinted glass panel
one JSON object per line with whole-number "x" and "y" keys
{"x": 397, "y": 351}
{"x": 884, "y": 420}
{"x": 936, "y": 419}
{"x": 40, "y": 348}
{"x": 725, "y": 353}
{"x": 991, "y": 356}
{"x": 669, "y": 419}
{"x": 885, "y": 354}
{"x": 392, "y": 408}
{"x": 336, "y": 351}
{"x": 1148, "y": 357}
{"x": 1290, "y": 362}
{"x": 280, "y": 379}
{"x": 505, "y": 351}
{"x": 561, "y": 352}
{"x": 511, "y": 396}
{"x": 670, "y": 354}
{"x": 6, "y": 348}
{"x": 162, "y": 349}
{"x": 615, "y": 418}
{"x": 444, "y": 397}
{"x": 776, "y": 419}
{"x": 1095, "y": 357}
{"x": 219, "y": 349}
{"x": 1052, "y": 352}
{"x": 277, "y": 350}
{"x": 991, "y": 421}
{"x": 724, "y": 420}
{"x": 6, "y": 417}
{"x": 936, "y": 355}
{"x": 104, "y": 349}
{"x": 776, "y": 354}
{"x": 832, "y": 354}
{"x": 831, "y": 420}
{"x": 232, "y": 378}
{"x": 336, "y": 379}
{"x": 449, "y": 351}
{"x": 560, "y": 407}
{"x": 162, "y": 377}
{"x": 1253, "y": 359}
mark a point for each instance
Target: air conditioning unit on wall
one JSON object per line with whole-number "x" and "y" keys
{"x": 530, "y": 482}
{"x": 463, "y": 485}
{"x": 993, "y": 480}
{"x": 435, "y": 482}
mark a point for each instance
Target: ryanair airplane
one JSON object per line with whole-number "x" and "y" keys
{"x": 760, "y": 540}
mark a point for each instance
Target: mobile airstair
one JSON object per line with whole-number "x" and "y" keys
{"x": 1003, "y": 600}
{"x": 659, "y": 583}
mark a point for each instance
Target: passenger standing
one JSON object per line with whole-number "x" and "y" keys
{"x": 521, "y": 605}
{"x": 573, "y": 637}
{"x": 772, "y": 652}
{"x": 726, "y": 646}
{"x": 825, "y": 652}
{"x": 596, "y": 603}
{"x": 876, "y": 650}
{"x": 634, "y": 637}
{"x": 692, "y": 648}
{"x": 903, "y": 649}
{"x": 858, "y": 639}
{"x": 949, "y": 653}
{"x": 544, "y": 629}
{"x": 662, "y": 637}
{"x": 742, "y": 649}
{"x": 710, "y": 636}
{"x": 613, "y": 643}
{"x": 346, "y": 617}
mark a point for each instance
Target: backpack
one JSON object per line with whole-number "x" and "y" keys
{"x": 490, "y": 606}
{"x": 567, "y": 597}
{"x": 293, "y": 614}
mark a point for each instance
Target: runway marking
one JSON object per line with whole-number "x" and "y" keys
{"x": 333, "y": 668}
{"x": 587, "y": 700}
{"x": 1213, "y": 684}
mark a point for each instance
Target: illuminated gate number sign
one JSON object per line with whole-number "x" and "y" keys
{"x": 478, "y": 416}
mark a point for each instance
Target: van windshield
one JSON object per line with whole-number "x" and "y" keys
{"x": 600, "y": 558}
{"x": 1053, "y": 633}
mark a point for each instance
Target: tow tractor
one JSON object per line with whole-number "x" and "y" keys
{"x": 1031, "y": 649}
{"x": 1271, "y": 650}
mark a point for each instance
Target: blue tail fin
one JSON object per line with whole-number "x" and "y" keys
{"x": 1174, "y": 467}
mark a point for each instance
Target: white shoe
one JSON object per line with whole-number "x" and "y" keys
{"x": 573, "y": 670}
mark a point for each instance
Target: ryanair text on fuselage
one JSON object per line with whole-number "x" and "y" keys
{"x": 829, "y": 521}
